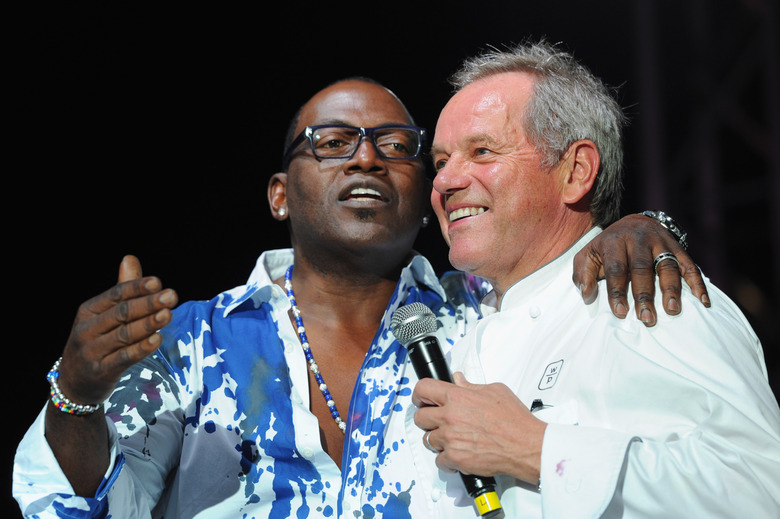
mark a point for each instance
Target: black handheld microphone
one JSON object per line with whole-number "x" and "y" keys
{"x": 414, "y": 326}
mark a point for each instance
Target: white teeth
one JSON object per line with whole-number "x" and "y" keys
{"x": 358, "y": 191}
{"x": 465, "y": 211}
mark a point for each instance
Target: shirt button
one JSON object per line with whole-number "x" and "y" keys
{"x": 307, "y": 453}
{"x": 534, "y": 311}
{"x": 436, "y": 494}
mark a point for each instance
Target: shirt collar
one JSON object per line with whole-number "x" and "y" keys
{"x": 532, "y": 284}
{"x": 272, "y": 264}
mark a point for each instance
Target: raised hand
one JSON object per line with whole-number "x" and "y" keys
{"x": 111, "y": 332}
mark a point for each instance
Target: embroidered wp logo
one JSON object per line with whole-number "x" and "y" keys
{"x": 551, "y": 375}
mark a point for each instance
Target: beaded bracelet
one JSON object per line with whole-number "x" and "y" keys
{"x": 62, "y": 402}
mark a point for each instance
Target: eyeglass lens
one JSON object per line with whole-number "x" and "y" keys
{"x": 337, "y": 142}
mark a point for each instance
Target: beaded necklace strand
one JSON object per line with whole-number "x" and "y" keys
{"x": 307, "y": 351}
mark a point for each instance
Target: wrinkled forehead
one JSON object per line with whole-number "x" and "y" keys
{"x": 355, "y": 103}
{"x": 492, "y": 105}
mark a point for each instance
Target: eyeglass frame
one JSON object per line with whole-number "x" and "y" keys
{"x": 364, "y": 132}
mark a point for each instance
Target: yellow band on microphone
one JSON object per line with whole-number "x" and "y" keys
{"x": 487, "y": 503}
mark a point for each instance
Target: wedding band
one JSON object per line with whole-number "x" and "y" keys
{"x": 664, "y": 256}
{"x": 428, "y": 443}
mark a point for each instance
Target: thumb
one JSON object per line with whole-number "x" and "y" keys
{"x": 129, "y": 269}
{"x": 588, "y": 269}
{"x": 460, "y": 379}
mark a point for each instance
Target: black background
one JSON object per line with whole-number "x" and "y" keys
{"x": 152, "y": 131}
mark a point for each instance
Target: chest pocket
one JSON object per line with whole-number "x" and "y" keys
{"x": 566, "y": 413}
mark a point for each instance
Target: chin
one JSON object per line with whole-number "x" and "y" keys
{"x": 465, "y": 261}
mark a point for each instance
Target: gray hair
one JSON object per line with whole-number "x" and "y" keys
{"x": 568, "y": 104}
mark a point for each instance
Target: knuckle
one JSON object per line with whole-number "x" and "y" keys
{"x": 150, "y": 324}
{"x": 115, "y": 293}
{"x": 123, "y": 357}
{"x": 151, "y": 303}
{"x": 691, "y": 270}
{"x": 122, "y": 312}
{"x": 123, "y": 335}
{"x": 641, "y": 263}
{"x": 670, "y": 287}
{"x": 643, "y": 298}
{"x": 667, "y": 266}
{"x": 615, "y": 268}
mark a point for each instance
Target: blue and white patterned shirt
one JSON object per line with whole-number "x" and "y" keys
{"x": 217, "y": 423}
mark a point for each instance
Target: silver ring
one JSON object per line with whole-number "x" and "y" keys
{"x": 664, "y": 256}
{"x": 427, "y": 443}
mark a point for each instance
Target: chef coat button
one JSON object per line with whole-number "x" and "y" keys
{"x": 307, "y": 453}
{"x": 436, "y": 494}
{"x": 534, "y": 311}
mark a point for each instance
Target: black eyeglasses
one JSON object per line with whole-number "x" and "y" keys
{"x": 340, "y": 141}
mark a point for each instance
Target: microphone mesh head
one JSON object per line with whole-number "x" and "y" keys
{"x": 412, "y": 321}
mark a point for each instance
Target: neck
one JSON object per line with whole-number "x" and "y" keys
{"x": 343, "y": 292}
{"x": 557, "y": 241}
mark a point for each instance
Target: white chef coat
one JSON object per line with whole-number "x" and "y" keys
{"x": 675, "y": 420}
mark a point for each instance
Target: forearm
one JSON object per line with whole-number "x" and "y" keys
{"x": 81, "y": 446}
{"x": 586, "y": 470}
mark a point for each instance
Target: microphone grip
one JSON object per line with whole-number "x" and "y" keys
{"x": 428, "y": 362}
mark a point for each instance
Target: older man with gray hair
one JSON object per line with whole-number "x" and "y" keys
{"x": 575, "y": 413}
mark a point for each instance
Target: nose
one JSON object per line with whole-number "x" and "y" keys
{"x": 366, "y": 159}
{"x": 450, "y": 177}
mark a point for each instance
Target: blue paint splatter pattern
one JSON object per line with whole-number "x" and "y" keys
{"x": 216, "y": 423}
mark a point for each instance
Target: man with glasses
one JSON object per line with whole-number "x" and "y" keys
{"x": 272, "y": 399}
{"x": 340, "y": 141}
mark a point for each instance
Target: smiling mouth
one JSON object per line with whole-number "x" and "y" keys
{"x": 465, "y": 212}
{"x": 362, "y": 193}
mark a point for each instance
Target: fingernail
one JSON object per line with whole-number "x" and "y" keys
{"x": 646, "y": 316}
{"x": 166, "y": 297}
{"x": 161, "y": 316}
{"x": 706, "y": 300}
{"x": 621, "y": 309}
{"x": 673, "y": 304}
{"x": 155, "y": 339}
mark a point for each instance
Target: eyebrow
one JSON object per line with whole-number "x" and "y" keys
{"x": 327, "y": 122}
{"x": 476, "y": 139}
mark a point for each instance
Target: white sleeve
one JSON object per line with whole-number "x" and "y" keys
{"x": 145, "y": 446}
{"x": 689, "y": 425}
{"x": 42, "y": 489}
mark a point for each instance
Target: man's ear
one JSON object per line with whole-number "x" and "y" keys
{"x": 277, "y": 196}
{"x": 580, "y": 165}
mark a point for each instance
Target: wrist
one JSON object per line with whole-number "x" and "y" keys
{"x": 668, "y": 223}
{"x": 60, "y": 401}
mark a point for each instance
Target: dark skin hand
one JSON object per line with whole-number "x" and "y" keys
{"x": 626, "y": 253}
{"x": 111, "y": 332}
